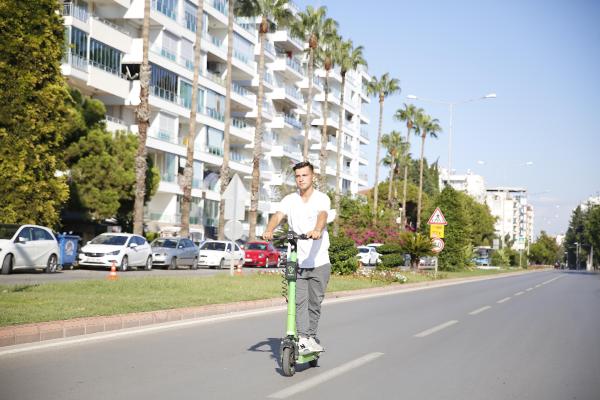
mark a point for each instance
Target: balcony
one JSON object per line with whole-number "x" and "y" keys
{"x": 165, "y": 8}
{"x": 76, "y": 61}
{"x": 292, "y": 120}
{"x": 76, "y": 11}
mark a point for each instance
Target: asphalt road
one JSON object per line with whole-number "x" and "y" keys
{"x": 533, "y": 336}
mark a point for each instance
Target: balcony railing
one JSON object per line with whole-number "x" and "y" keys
{"x": 294, "y": 64}
{"x": 292, "y": 120}
{"x": 107, "y": 68}
{"x": 293, "y": 92}
{"x": 76, "y": 61}
{"x": 163, "y": 7}
{"x": 364, "y": 132}
{"x": 215, "y": 150}
{"x": 239, "y": 123}
{"x": 74, "y": 10}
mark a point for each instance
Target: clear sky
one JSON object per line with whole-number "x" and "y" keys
{"x": 541, "y": 58}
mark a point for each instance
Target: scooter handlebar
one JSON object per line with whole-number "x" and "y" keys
{"x": 291, "y": 236}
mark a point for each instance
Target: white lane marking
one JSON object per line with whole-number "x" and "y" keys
{"x": 529, "y": 289}
{"x": 319, "y": 379}
{"x": 519, "y": 293}
{"x": 503, "y": 300}
{"x": 480, "y": 310}
{"x": 436, "y": 329}
{"x": 538, "y": 285}
{"x": 551, "y": 280}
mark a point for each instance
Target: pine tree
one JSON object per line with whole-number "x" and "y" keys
{"x": 33, "y": 112}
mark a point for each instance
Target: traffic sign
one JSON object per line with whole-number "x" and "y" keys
{"x": 233, "y": 229}
{"x": 235, "y": 199}
{"x": 438, "y": 245}
{"x": 437, "y": 218}
{"x": 436, "y": 231}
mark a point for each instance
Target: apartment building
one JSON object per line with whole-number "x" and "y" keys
{"x": 105, "y": 48}
{"x": 470, "y": 183}
{"x": 515, "y": 217}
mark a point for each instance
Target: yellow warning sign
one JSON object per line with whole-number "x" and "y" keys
{"x": 436, "y": 231}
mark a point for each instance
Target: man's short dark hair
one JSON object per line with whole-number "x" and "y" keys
{"x": 304, "y": 164}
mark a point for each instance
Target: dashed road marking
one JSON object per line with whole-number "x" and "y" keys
{"x": 317, "y": 380}
{"x": 480, "y": 310}
{"x": 503, "y": 300}
{"x": 529, "y": 289}
{"x": 519, "y": 293}
{"x": 436, "y": 329}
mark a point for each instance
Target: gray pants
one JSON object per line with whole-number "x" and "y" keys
{"x": 310, "y": 291}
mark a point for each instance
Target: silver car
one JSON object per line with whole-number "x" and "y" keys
{"x": 174, "y": 251}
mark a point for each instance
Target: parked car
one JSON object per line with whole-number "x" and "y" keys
{"x": 124, "y": 250}
{"x": 282, "y": 255}
{"x": 173, "y": 252}
{"x": 481, "y": 261}
{"x": 368, "y": 255}
{"x": 219, "y": 253}
{"x": 261, "y": 254}
{"x": 27, "y": 246}
{"x": 428, "y": 262}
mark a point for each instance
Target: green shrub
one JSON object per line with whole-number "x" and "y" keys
{"x": 342, "y": 254}
{"x": 392, "y": 260}
{"x": 390, "y": 248}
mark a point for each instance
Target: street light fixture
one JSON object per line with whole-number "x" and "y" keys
{"x": 451, "y": 104}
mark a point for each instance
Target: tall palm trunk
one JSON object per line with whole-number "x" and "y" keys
{"x": 324, "y": 140}
{"x": 188, "y": 172}
{"x": 420, "y": 182}
{"x": 391, "y": 180}
{"x": 225, "y": 166}
{"x": 307, "y": 122}
{"x": 407, "y": 160}
{"x": 338, "y": 167}
{"x": 143, "y": 119}
{"x": 376, "y": 188}
{"x": 257, "y": 151}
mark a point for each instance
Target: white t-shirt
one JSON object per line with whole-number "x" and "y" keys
{"x": 302, "y": 218}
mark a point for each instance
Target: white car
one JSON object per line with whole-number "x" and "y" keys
{"x": 27, "y": 246}
{"x": 219, "y": 253}
{"x": 124, "y": 250}
{"x": 368, "y": 255}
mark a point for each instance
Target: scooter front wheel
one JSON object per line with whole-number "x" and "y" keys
{"x": 288, "y": 363}
{"x": 314, "y": 363}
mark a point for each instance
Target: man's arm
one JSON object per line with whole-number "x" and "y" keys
{"x": 273, "y": 223}
{"x": 319, "y": 226}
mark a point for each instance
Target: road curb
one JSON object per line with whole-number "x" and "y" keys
{"x": 42, "y": 331}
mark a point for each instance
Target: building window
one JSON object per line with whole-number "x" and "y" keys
{"x": 163, "y": 83}
{"x": 211, "y": 213}
{"x": 214, "y": 141}
{"x": 78, "y": 43}
{"x": 215, "y": 105}
{"x": 105, "y": 57}
{"x": 185, "y": 93}
{"x": 166, "y": 7}
{"x": 243, "y": 50}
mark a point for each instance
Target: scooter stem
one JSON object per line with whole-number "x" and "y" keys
{"x": 291, "y": 305}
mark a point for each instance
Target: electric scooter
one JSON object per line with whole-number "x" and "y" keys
{"x": 290, "y": 354}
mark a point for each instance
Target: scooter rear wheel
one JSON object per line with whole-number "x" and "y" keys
{"x": 288, "y": 364}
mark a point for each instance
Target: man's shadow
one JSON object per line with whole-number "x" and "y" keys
{"x": 272, "y": 345}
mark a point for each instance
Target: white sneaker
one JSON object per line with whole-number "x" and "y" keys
{"x": 314, "y": 346}
{"x": 303, "y": 345}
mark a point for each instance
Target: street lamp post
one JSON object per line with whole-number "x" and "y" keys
{"x": 451, "y": 104}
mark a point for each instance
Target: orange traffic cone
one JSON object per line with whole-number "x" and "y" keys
{"x": 238, "y": 270}
{"x": 113, "y": 273}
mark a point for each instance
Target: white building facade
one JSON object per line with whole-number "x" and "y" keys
{"x": 470, "y": 183}
{"x": 515, "y": 217}
{"x": 104, "y": 46}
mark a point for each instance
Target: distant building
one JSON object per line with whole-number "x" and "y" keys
{"x": 590, "y": 202}
{"x": 469, "y": 183}
{"x": 515, "y": 217}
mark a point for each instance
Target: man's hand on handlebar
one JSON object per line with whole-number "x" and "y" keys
{"x": 316, "y": 234}
{"x": 267, "y": 235}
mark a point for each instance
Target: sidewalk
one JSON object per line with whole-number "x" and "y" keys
{"x": 38, "y": 332}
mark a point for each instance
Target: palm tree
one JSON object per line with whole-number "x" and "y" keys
{"x": 224, "y": 173}
{"x": 417, "y": 245}
{"x": 394, "y": 144}
{"x": 143, "y": 120}
{"x": 383, "y": 87}
{"x": 408, "y": 114}
{"x": 326, "y": 53}
{"x": 309, "y": 28}
{"x": 349, "y": 58}
{"x": 188, "y": 172}
{"x": 425, "y": 126}
{"x": 272, "y": 13}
